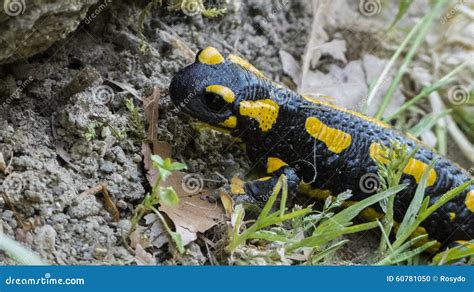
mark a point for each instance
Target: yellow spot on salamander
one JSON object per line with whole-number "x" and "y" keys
{"x": 265, "y": 111}
{"x": 414, "y": 167}
{"x": 274, "y": 164}
{"x": 354, "y": 113}
{"x": 237, "y": 186}
{"x": 246, "y": 65}
{"x": 223, "y": 91}
{"x": 265, "y": 178}
{"x": 465, "y": 243}
{"x": 368, "y": 213}
{"x": 210, "y": 56}
{"x": 319, "y": 194}
{"x": 452, "y": 216}
{"x": 335, "y": 140}
{"x": 230, "y": 122}
{"x": 470, "y": 200}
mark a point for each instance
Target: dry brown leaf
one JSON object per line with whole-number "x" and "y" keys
{"x": 143, "y": 258}
{"x": 161, "y": 148}
{"x": 192, "y": 214}
{"x": 137, "y": 237}
{"x": 150, "y": 106}
{"x": 227, "y": 202}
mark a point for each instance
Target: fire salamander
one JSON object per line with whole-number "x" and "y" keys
{"x": 312, "y": 141}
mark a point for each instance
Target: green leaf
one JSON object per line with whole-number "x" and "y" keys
{"x": 427, "y": 122}
{"x": 178, "y": 166}
{"x": 327, "y": 252}
{"x": 409, "y": 254}
{"x": 322, "y": 238}
{"x": 268, "y": 235}
{"x": 19, "y": 253}
{"x": 456, "y": 253}
{"x": 157, "y": 159}
{"x": 168, "y": 197}
{"x": 164, "y": 173}
{"x": 346, "y": 215}
{"x": 416, "y": 202}
{"x": 402, "y": 9}
{"x": 176, "y": 237}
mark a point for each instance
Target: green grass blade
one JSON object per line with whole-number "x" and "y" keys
{"x": 19, "y": 253}
{"x": 322, "y": 238}
{"x": 402, "y": 9}
{"x": 350, "y": 212}
{"x": 407, "y": 255}
{"x": 271, "y": 200}
{"x": 456, "y": 253}
{"x": 268, "y": 235}
{"x": 415, "y": 204}
{"x": 327, "y": 252}
{"x": 423, "y": 215}
{"x": 427, "y": 20}
{"x": 426, "y": 91}
{"x": 427, "y": 122}
{"x": 380, "y": 80}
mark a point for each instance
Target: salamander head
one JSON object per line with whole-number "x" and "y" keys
{"x": 210, "y": 88}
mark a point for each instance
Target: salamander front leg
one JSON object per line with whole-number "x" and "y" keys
{"x": 258, "y": 191}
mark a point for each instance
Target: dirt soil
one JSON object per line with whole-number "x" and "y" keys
{"x": 47, "y": 124}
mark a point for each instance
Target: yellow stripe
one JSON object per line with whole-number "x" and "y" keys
{"x": 274, "y": 164}
{"x": 470, "y": 200}
{"x": 364, "y": 117}
{"x": 335, "y": 140}
{"x": 223, "y": 91}
{"x": 245, "y": 64}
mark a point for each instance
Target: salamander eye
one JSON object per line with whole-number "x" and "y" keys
{"x": 214, "y": 101}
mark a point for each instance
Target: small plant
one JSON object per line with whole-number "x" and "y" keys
{"x": 188, "y": 7}
{"x": 137, "y": 128}
{"x": 160, "y": 195}
{"x": 391, "y": 162}
{"x": 326, "y": 224}
{"x": 406, "y": 246}
{"x": 95, "y": 126}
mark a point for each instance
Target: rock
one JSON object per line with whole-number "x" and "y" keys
{"x": 30, "y": 27}
{"x": 46, "y": 238}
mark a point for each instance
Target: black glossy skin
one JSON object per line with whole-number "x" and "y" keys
{"x": 289, "y": 141}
